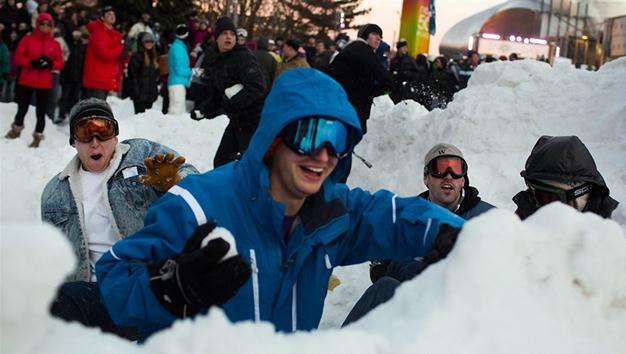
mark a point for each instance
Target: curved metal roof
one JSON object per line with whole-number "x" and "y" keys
{"x": 519, "y": 17}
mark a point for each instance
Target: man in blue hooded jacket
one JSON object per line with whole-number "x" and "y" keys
{"x": 291, "y": 220}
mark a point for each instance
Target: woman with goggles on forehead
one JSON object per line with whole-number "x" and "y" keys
{"x": 291, "y": 223}
{"x": 561, "y": 169}
{"x": 100, "y": 197}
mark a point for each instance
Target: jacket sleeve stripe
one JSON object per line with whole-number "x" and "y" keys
{"x": 393, "y": 208}
{"x": 426, "y": 231}
{"x": 192, "y": 202}
{"x": 114, "y": 255}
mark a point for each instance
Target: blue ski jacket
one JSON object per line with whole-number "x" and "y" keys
{"x": 178, "y": 61}
{"x": 335, "y": 227}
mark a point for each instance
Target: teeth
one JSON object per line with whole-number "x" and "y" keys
{"x": 315, "y": 169}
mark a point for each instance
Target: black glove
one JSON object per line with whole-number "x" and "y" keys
{"x": 45, "y": 61}
{"x": 442, "y": 245}
{"x": 196, "y": 115}
{"x": 198, "y": 278}
{"x": 35, "y": 63}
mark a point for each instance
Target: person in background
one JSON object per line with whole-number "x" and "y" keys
{"x": 143, "y": 73}
{"x": 5, "y": 66}
{"x": 242, "y": 36}
{"x": 447, "y": 183}
{"x": 309, "y": 49}
{"x": 467, "y": 68}
{"x": 321, "y": 59}
{"x": 359, "y": 71}
{"x": 55, "y": 91}
{"x": 37, "y": 55}
{"x": 104, "y": 58}
{"x": 234, "y": 86}
{"x": 266, "y": 60}
{"x": 100, "y": 197}
{"x": 7, "y": 92}
{"x": 179, "y": 71}
{"x": 292, "y": 58}
{"x": 140, "y": 27}
{"x": 561, "y": 169}
{"x": 277, "y": 223}
{"x": 72, "y": 76}
{"x": 273, "y": 51}
{"x": 405, "y": 73}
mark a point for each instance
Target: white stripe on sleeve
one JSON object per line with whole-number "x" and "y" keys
{"x": 191, "y": 201}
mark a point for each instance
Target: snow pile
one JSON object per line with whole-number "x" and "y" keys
{"x": 553, "y": 283}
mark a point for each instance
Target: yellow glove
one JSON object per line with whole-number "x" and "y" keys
{"x": 333, "y": 282}
{"x": 162, "y": 171}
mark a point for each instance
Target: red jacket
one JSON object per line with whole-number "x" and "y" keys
{"x": 103, "y": 65}
{"x": 33, "y": 46}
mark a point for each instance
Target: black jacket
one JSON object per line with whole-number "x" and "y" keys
{"x": 358, "y": 70}
{"x": 143, "y": 80}
{"x": 268, "y": 65}
{"x": 564, "y": 159}
{"x": 73, "y": 69}
{"x": 224, "y": 70}
{"x": 404, "y": 69}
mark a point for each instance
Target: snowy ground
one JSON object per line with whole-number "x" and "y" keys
{"x": 552, "y": 284}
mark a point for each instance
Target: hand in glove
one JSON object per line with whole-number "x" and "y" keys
{"x": 162, "y": 171}
{"x": 202, "y": 275}
{"x": 35, "y": 63}
{"x": 442, "y": 245}
{"x": 45, "y": 61}
{"x": 196, "y": 115}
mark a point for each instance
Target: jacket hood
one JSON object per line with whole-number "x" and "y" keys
{"x": 299, "y": 93}
{"x": 564, "y": 159}
{"x": 44, "y": 17}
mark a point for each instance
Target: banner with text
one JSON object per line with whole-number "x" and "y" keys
{"x": 414, "y": 25}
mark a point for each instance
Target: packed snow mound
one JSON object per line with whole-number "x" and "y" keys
{"x": 551, "y": 284}
{"x": 496, "y": 121}
{"x": 34, "y": 260}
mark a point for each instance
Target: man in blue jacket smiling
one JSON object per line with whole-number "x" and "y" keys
{"x": 291, "y": 220}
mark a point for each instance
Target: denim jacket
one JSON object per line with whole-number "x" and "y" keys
{"x": 127, "y": 200}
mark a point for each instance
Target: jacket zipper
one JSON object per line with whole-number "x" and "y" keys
{"x": 255, "y": 286}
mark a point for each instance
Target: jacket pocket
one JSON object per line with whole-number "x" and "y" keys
{"x": 57, "y": 217}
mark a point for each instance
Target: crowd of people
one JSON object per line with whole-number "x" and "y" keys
{"x": 260, "y": 234}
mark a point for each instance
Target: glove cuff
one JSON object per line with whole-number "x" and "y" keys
{"x": 168, "y": 289}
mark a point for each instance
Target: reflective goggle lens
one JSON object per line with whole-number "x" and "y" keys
{"x": 85, "y": 130}
{"x": 545, "y": 194}
{"x": 441, "y": 166}
{"x": 307, "y": 136}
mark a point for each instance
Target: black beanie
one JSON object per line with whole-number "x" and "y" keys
{"x": 181, "y": 31}
{"x": 401, "y": 43}
{"x": 293, "y": 43}
{"x": 106, "y": 9}
{"x": 90, "y": 107}
{"x": 369, "y": 28}
{"x": 224, "y": 24}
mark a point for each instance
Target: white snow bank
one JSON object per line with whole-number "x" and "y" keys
{"x": 552, "y": 284}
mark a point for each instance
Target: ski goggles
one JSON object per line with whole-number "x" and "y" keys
{"x": 308, "y": 136}
{"x": 441, "y": 166}
{"x": 86, "y": 129}
{"x": 545, "y": 193}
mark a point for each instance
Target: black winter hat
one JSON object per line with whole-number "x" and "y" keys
{"x": 91, "y": 107}
{"x": 293, "y": 43}
{"x": 401, "y": 43}
{"x": 106, "y": 9}
{"x": 181, "y": 31}
{"x": 369, "y": 28}
{"x": 224, "y": 24}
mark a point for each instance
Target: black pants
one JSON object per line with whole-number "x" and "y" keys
{"x": 234, "y": 143}
{"x": 378, "y": 293}
{"x": 166, "y": 98}
{"x": 141, "y": 106}
{"x": 23, "y": 94}
{"x": 89, "y": 92}
{"x": 80, "y": 301}
{"x": 70, "y": 94}
{"x": 53, "y": 97}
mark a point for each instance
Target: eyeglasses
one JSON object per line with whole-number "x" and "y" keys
{"x": 309, "y": 135}
{"x": 47, "y": 24}
{"x": 441, "y": 166}
{"x": 86, "y": 129}
{"x": 545, "y": 193}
